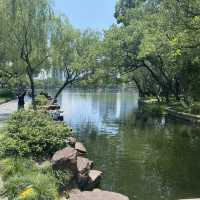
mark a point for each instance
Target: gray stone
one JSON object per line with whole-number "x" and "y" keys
{"x": 97, "y": 195}
{"x": 83, "y": 164}
{"x": 71, "y": 141}
{"x": 94, "y": 179}
{"x": 80, "y": 148}
{"x": 82, "y": 180}
{"x": 65, "y": 159}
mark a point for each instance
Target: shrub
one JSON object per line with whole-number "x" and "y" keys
{"x": 24, "y": 181}
{"x": 6, "y": 94}
{"x": 41, "y": 100}
{"x": 154, "y": 109}
{"x": 34, "y": 134}
{"x": 63, "y": 177}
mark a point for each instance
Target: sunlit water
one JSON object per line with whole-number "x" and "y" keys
{"x": 142, "y": 157}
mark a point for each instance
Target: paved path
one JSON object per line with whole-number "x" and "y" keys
{"x": 6, "y": 109}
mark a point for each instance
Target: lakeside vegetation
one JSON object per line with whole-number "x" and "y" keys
{"x": 29, "y": 139}
{"x": 155, "y": 46}
{"x": 6, "y": 95}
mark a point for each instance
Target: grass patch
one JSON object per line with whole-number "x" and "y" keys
{"x": 24, "y": 181}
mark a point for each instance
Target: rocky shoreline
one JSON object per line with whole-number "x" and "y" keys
{"x": 179, "y": 115}
{"x": 195, "y": 119}
{"x": 85, "y": 179}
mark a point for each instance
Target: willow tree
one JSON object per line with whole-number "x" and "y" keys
{"x": 27, "y": 28}
{"x": 72, "y": 52}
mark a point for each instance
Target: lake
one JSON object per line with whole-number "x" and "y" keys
{"x": 142, "y": 157}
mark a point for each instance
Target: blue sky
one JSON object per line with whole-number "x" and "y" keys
{"x": 95, "y": 14}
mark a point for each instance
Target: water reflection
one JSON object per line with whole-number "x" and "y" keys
{"x": 100, "y": 108}
{"x": 143, "y": 157}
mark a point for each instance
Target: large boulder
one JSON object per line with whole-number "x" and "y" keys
{"x": 97, "y": 195}
{"x": 71, "y": 141}
{"x": 65, "y": 159}
{"x": 82, "y": 181}
{"x": 80, "y": 148}
{"x": 83, "y": 164}
{"x": 94, "y": 179}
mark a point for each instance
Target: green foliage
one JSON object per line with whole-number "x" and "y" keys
{"x": 6, "y": 94}
{"x": 41, "y": 100}
{"x": 33, "y": 134}
{"x": 154, "y": 109}
{"x": 195, "y": 109}
{"x": 24, "y": 181}
{"x": 157, "y": 45}
{"x": 63, "y": 178}
{"x": 49, "y": 83}
{"x": 73, "y": 52}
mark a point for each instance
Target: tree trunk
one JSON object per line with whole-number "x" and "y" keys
{"x": 141, "y": 92}
{"x": 60, "y": 90}
{"x": 167, "y": 97}
{"x": 177, "y": 90}
{"x": 21, "y": 101}
{"x": 30, "y": 75}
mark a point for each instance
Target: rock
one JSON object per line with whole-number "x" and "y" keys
{"x": 80, "y": 148}
{"x": 82, "y": 181}
{"x": 53, "y": 107}
{"x": 97, "y": 195}
{"x": 71, "y": 141}
{"x": 94, "y": 179}
{"x": 83, "y": 164}
{"x": 75, "y": 191}
{"x": 94, "y": 175}
{"x": 56, "y": 115}
{"x": 65, "y": 159}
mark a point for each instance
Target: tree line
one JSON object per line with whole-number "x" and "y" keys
{"x": 155, "y": 44}
{"x": 33, "y": 38}
{"x": 158, "y": 41}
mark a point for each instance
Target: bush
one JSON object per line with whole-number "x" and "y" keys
{"x": 63, "y": 177}
{"x": 35, "y": 134}
{"x": 24, "y": 181}
{"x": 41, "y": 100}
{"x": 6, "y": 94}
{"x": 154, "y": 109}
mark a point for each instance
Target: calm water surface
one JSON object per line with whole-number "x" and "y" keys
{"x": 142, "y": 157}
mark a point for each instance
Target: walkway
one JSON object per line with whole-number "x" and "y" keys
{"x": 6, "y": 109}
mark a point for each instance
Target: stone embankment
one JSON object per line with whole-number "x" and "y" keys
{"x": 183, "y": 116}
{"x": 170, "y": 111}
{"x": 86, "y": 179}
{"x": 96, "y": 194}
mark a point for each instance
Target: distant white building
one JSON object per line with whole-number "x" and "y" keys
{"x": 52, "y": 73}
